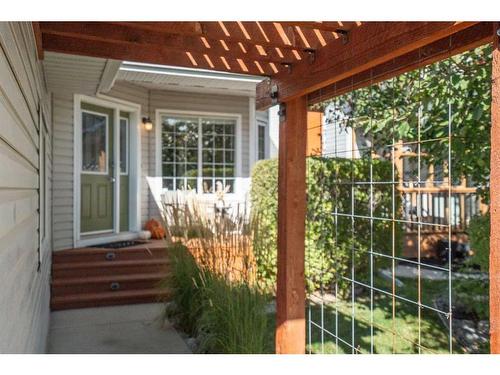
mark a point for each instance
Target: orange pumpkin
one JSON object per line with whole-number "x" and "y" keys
{"x": 158, "y": 233}
{"x": 156, "y": 229}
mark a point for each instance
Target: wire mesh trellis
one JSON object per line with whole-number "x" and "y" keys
{"x": 367, "y": 307}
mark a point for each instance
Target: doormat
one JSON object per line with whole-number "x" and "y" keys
{"x": 118, "y": 244}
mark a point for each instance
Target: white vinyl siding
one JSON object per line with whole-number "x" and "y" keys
{"x": 25, "y": 246}
{"x": 337, "y": 141}
{"x": 66, "y": 75}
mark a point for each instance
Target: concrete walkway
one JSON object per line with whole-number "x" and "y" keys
{"x": 129, "y": 329}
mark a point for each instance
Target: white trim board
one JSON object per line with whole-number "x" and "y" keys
{"x": 109, "y": 75}
{"x": 134, "y": 163}
{"x": 127, "y": 140}
{"x": 252, "y": 136}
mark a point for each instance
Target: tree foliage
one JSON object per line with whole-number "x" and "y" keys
{"x": 450, "y": 97}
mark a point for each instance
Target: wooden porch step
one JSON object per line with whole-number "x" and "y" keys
{"x": 77, "y": 301}
{"x": 107, "y": 283}
{"x": 102, "y": 268}
{"x": 102, "y": 254}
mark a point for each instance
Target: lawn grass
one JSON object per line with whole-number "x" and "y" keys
{"x": 395, "y": 323}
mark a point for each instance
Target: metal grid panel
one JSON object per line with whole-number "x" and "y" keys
{"x": 365, "y": 309}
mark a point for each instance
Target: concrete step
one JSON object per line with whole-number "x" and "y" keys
{"x": 101, "y": 254}
{"x": 126, "y": 297}
{"x": 107, "y": 268}
{"x": 107, "y": 283}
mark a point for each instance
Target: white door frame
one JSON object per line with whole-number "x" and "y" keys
{"x": 134, "y": 167}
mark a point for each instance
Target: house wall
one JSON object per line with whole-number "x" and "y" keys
{"x": 24, "y": 295}
{"x": 67, "y": 75}
{"x": 185, "y": 101}
{"x": 150, "y": 101}
{"x": 263, "y": 118}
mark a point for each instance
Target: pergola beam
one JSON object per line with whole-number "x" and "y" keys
{"x": 369, "y": 45}
{"x": 320, "y": 25}
{"x": 185, "y": 28}
{"x": 142, "y": 53}
{"x": 132, "y": 34}
{"x": 462, "y": 41}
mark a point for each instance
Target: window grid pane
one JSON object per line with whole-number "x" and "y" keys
{"x": 179, "y": 152}
{"x": 181, "y": 167}
{"x": 218, "y": 142}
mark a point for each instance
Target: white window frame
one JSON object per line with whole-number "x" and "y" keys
{"x": 106, "y": 172}
{"x": 199, "y": 114}
{"x": 127, "y": 123}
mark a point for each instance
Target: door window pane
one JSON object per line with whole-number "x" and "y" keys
{"x": 94, "y": 142}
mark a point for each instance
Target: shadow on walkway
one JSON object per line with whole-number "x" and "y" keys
{"x": 129, "y": 329}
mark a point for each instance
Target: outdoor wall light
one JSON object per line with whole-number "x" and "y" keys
{"x": 148, "y": 125}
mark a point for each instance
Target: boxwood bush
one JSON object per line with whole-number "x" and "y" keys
{"x": 333, "y": 242}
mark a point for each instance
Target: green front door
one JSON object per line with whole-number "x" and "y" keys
{"x": 97, "y": 182}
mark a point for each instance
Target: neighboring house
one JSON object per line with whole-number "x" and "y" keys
{"x": 76, "y": 146}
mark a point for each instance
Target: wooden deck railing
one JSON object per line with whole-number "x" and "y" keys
{"x": 439, "y": 207}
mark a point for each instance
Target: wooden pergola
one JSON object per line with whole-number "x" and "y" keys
{"x": 302, "y": 63}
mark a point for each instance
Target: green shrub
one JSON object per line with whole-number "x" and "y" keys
{"x": 472, "y": 294}
{"x": 332, "y": 241}
{"x": 479, "y": 236}
{"x": 227, "y": 317}
{"x": 264, "y": 200}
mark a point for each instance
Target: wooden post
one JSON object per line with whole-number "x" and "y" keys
{"x": 290, "y": 295}
{"x": 495, "y": 199}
